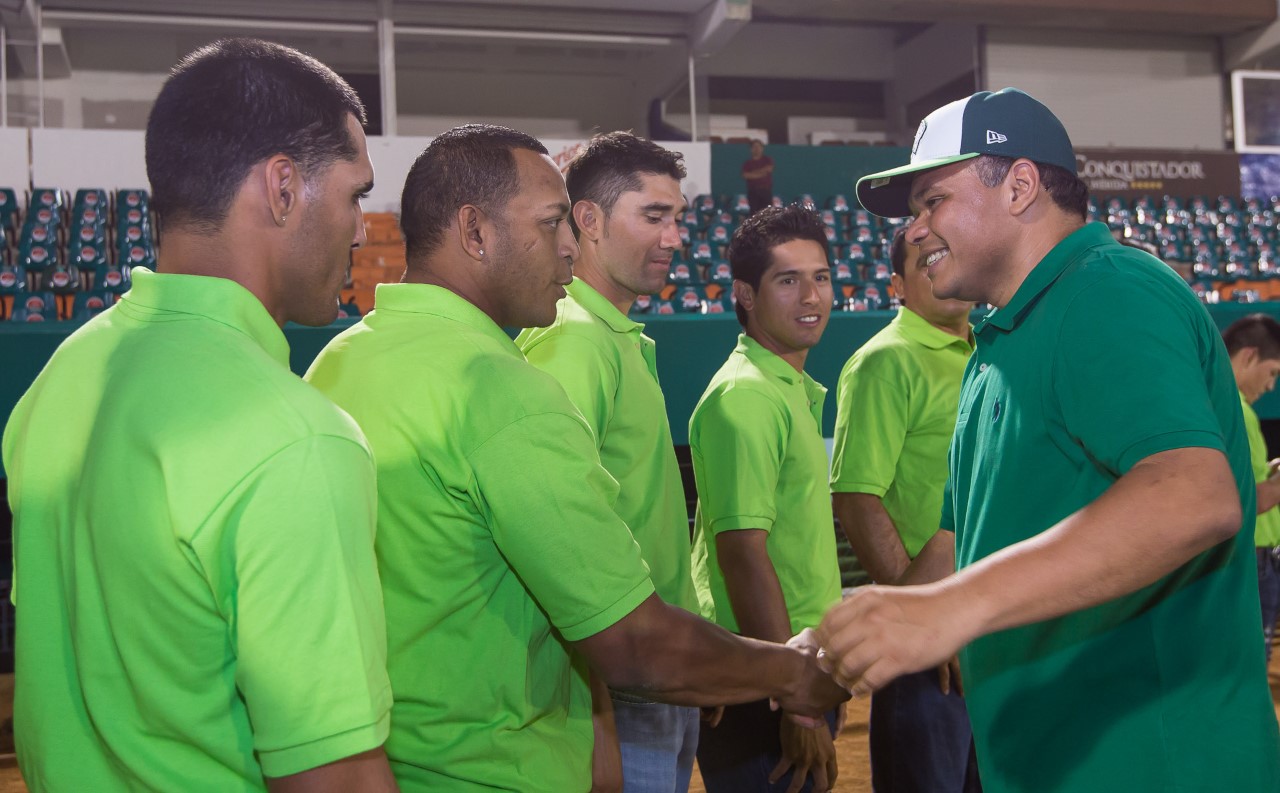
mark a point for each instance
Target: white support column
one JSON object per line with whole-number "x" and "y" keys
{"x": 693, "y": 100}
{"x": 387, "y": 66}
{"x": 40, "y": 64}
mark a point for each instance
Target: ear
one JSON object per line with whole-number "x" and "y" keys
{"x": 1023, "y": 186}
{"x": 744, "y": 294}
{"x": 589, "y": 219}
{"x": 473, "y": 229}
{"x": 284, "y": 187}
{"x": 897, "y": 282}
{"x": 1248, "y": 355}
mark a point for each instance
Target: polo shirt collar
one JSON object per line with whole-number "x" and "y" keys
{"x": 600, "y": 307}
{"x": 918, "y": 329}
{"x": 218, "y": 299}
{"x": 440, "y": 302}
{"x": 1091, "y": 235}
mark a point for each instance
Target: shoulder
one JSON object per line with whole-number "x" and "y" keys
{"x": 574, "y": 327}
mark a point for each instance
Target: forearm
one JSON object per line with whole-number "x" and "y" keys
{"x": 674, "y": 656}
{"x": 872, "y": 535}
{"x": 1166, "y": 510}
{"x": 1268, "y": 494}
{"x": 751, "y": 582}
{"x": 936, "y": 561}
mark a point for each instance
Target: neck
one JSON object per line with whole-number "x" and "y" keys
{"x": 435, "y": 272}
{"x": 1028, "y": 250}
{"x": 958, "y": 327}
{"x": 222, "y": 255}
{"x": 794, "y": 357}
{"x": 588, "y": 269}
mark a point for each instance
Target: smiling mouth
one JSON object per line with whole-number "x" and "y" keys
{"x": 809, "y": 319}
{"x": 936, "y": 256}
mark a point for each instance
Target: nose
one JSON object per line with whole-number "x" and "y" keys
{"x": 670, "y": 235}
{"x": 917, "y": 230}
{"x": 568, "y": 242}
{"x": 811, "y": 294}
{"x": 361, "y": 236}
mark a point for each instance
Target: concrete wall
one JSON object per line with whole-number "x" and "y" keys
{"x": 1117, "y": 89}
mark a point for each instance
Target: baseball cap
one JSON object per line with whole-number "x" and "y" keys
{"x": 1008, "y": 123}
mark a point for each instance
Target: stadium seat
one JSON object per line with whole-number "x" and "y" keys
{"x": 111, "y": 278}
{"x": 705, "y": 205}
{"x": 60, "y": 279}
{"x": 692, "y": 220}
{"x": 642, "y": 305}
{"x": 874, "y": 297}
{"x": 138, "y": 256}
{"x": 13, "y": 279}
{"x": 842, "y": 272}
{"x": 740, "y": 206}
{"x": 701, "y": 252}
{"x": 89, "y": 304}
{"x": 688, "y": 300}
{"x": 719, "y": 272}
{"x": 839, "y": 204}
{"x": 90, "y": 198}
{"x": 681, "y": 273}
{"x": 719, "y": 236}
{"x": 47, "y": 198}
{"x": 132, "y": 199}
{"x": 806, "y": 200}
{"x": 686, "y": 234}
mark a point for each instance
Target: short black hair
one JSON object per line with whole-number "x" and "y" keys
{"x": 1067, "y": 190}
{"x": 1254, "y": 330}
{"x": 898, "y": 252}
{"x": 612, "y": 164}
{"x": 751, "y": 249}
{"x": 233, "y": 104}
{"x": 472, "y": 164}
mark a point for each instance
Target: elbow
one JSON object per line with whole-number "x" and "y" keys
{"x": 1223, "y": 520}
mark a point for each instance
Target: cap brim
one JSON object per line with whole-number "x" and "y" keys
{"x": 886, "y": 193}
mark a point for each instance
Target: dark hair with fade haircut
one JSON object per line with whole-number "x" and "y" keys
{"x": 898, "y": 252}
{"x": 233, "y": 104}
{"x": 612, "y": 164}
{"x": 472, "y": 164}
{"x": 751, "y": 249}
{"x": 1254, "y": 330}
{"x": 1067, "y": 190}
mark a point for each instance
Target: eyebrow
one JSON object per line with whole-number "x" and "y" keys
{"x": 557, "y": 206}
{"x": 657, "y": 206}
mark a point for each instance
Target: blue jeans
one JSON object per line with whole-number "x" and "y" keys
{"x": 921, "y": 741}
{"x": 658, "y": 743}
{"x": 1269, "y": 593}
{"x": 738, "y": 755}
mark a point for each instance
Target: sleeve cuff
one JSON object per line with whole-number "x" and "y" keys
{"x": 845, "y": 486}
{"x": 619, "y": 609}
{"x": 1182, "y": 439}
{"x": 296, "y": 759}
{"x": 739, "y": 522}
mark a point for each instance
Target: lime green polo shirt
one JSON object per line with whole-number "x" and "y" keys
{"x": 193, "y": 540}
{"x": 1104, "y": 357}
{"x": 607, "y": 367}
{"x": 1267, "y": 531}
{"x": 895, "y": 414}
{"x": 760, "y": 463}
{"x": 497, "y": 544}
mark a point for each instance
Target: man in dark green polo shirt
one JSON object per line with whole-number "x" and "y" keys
{"x": 895, "y": 414}
{"x": 765, "y": 546}
{"x": 506, "y": 571}
{"x": 193, "y": 524}
{"x": 626, "y": 199}
{"x": 1100, "y": 489}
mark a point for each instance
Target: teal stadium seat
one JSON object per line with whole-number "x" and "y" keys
{"x": 719, "y": 272}
{"x": 90, "y": 304}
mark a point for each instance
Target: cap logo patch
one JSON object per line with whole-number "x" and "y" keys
{"x": 915, "y": 147}
{"x": 995, "y": 137}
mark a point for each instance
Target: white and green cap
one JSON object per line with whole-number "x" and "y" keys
{"x": 1008, "y": 123}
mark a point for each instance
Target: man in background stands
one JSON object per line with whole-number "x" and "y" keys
{"x": 758, "y": 172}
{"x": 193, "y": 524}
{"x": 506, "y": 571}
{"x": 626, "y": 198}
